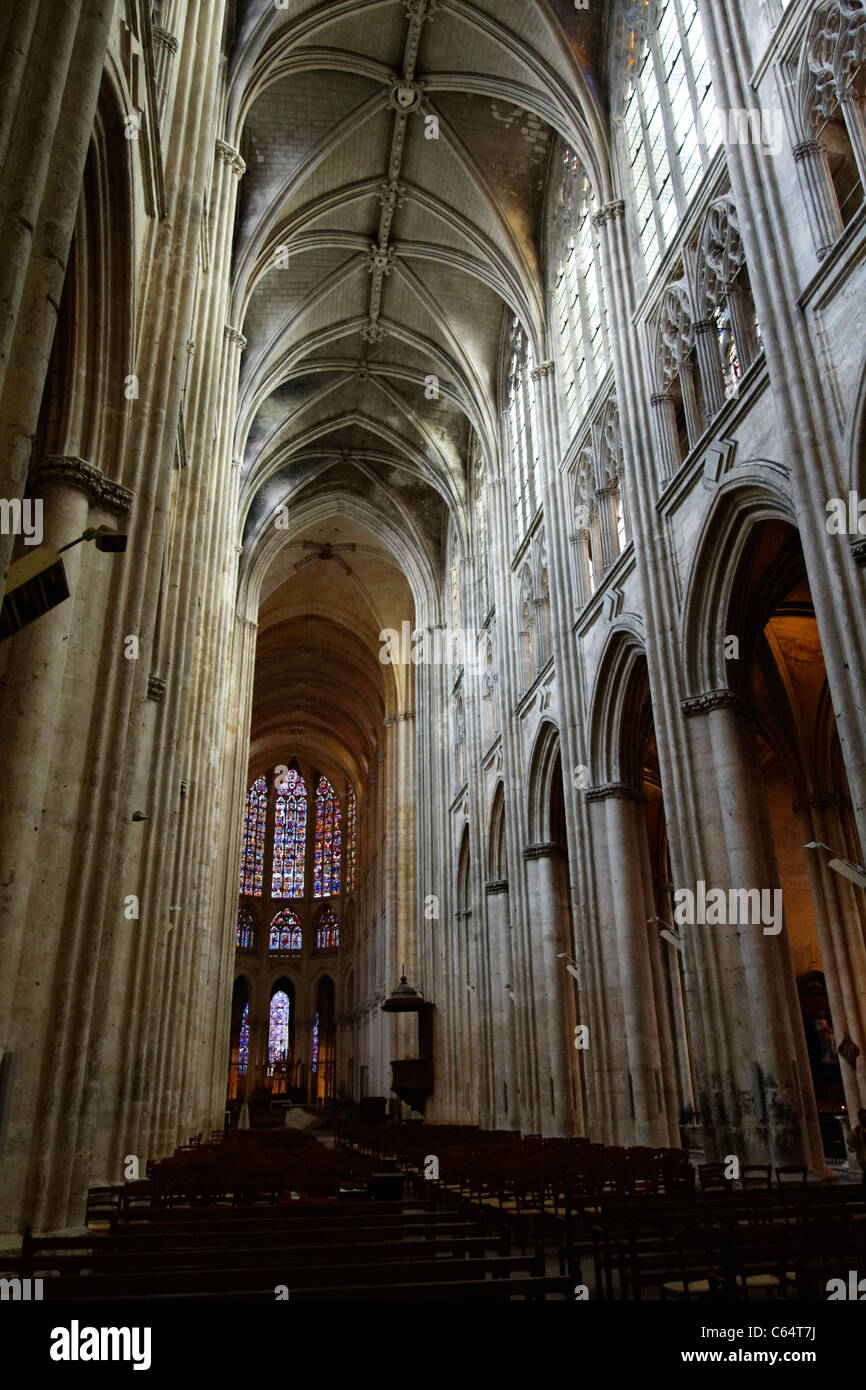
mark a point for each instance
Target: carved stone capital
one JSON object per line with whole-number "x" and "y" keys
{"x": 858, "y": 550}
{"x": 807, "y": 149}
{"x": 545, "y": 851}
{"x": 399, "y": 718}
{"x": 717, "y": 699}
{"x": 609, "y": 212}
{"x": 230, "y": 156}
{"x": 234, "y": 335}
{"x": 544, "y": 369}
{"x": 662, "y": 398}
{"x": 155, "y": 687}
{"x": 618, "y": 791}
{"x": 87, "y": 478}
{"x": 499, "y": 886}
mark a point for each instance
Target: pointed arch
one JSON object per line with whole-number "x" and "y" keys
{"x": 328, "y": 930}
{"x": 543, "y": 765}
{"x": 497, "y": 858}
{"x": 285, "y": 933}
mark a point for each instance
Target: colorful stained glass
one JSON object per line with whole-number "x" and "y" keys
{"x": 245, "y": 935}
{"x": 290, "y": 837}
{"x": 253, "y": 850}
{"x": 328, "y": 931}
{"x": 244, "y": 1041}
{"x": 278, "y": 1030}
{"x": 351, "y": 833}
{"x": 315, "y": 1066}
{"x": 285, "y": 933}
{"x": 326, "y": 864}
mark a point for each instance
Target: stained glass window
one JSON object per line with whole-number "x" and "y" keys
{"x": 244, "y": 1041}
{"x": 290, "y": 837}
{"x": 315, "y": 1066}
{"x": 278, "y": 1030}
{"x": 246, "y": 933}
{"x": 253, "y": 852}
{"x": 351, "y": 834}
{"x": 285, "y": 933}
{"x": 326, "y": 871}
{"x": 328, "y": 931}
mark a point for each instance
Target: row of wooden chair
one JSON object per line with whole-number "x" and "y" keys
{"x": 312, "y": 1250}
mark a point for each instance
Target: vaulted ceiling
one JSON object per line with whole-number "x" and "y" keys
{"x": 388, "y": 228}
{"x": 390, "y": 217}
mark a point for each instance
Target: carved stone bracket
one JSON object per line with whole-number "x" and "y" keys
{"x": 230, "y": 156}
{"x": 234, "y": 335}
{"x": 78, "y": 473}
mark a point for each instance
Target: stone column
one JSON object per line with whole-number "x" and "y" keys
{"x": 838, "y": 920}
{"x": 695, "y": 422}
{"x": 817, "y": 183}
{"x": 712, "y": 376}
{"x": 631, "y": 911}
{"x": 777, "y": 1113}
{"x": 667, "y": 438}
{"x": 501, "y": 1009}
{"x": 742, "y": 324}
{"x": 607, "y": 498}
{"x": 548, "y": 917}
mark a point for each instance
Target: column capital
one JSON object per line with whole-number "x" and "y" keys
{"x": 544, "y": 369}
{"x": 234, "y": 335}
{"x": 807, "y": 149}
{"x": 230, "y": 156}
{"x": 399, "y": 718}
{"x": 706, "y": 326}
{"x": 163, "y": 39}
{"x": 717, "y": 699}
{"x": 615, "y": 791}
{"x": 858, "y": 550}
{"x": 155, "y": 687}
{"x": 78, "y": 473}
{"x": 545, "y": 851}
{"x": 662, "y": 398}
{"x": 609, "y": 212}
{"x": 499, "y": 886}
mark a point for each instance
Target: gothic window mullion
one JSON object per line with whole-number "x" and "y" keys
{"x": 586, "y": 328}
{"x": 675, "y": 170}
{"x": 703, "y": 143}
{"x": 650, "y": 169}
